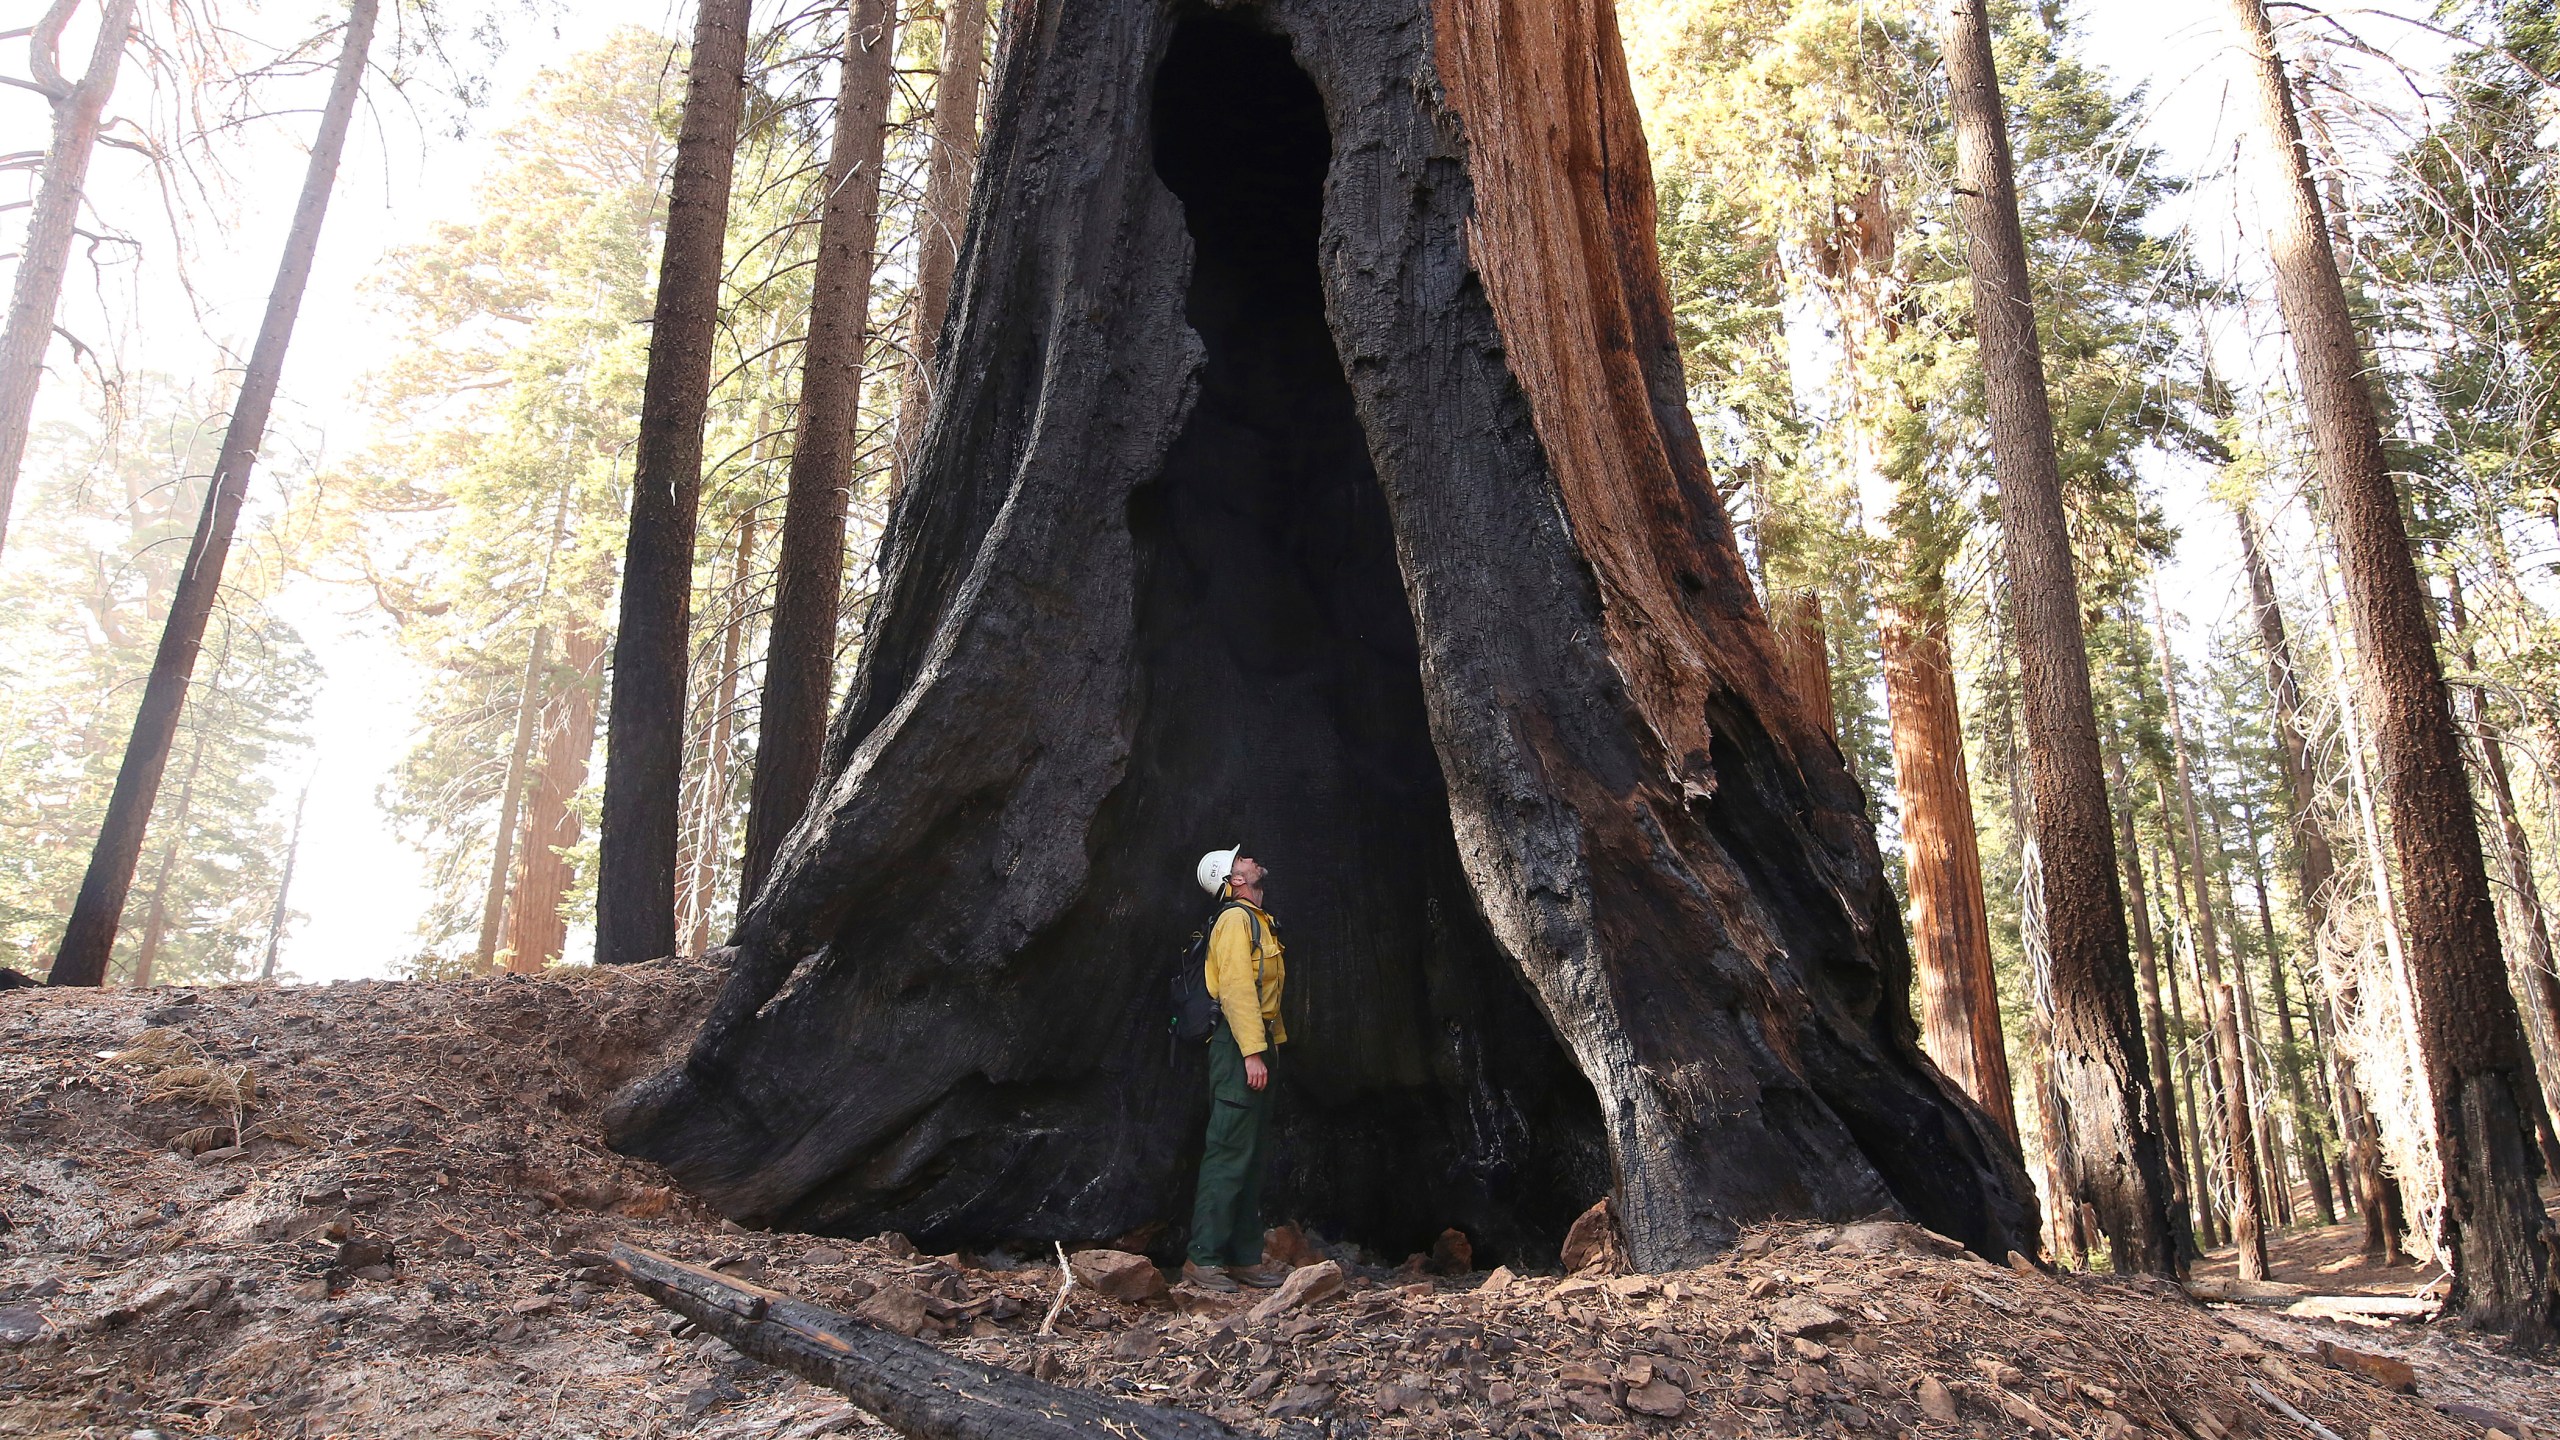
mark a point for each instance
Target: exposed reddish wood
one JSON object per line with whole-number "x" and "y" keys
{"x": 1950, "y": 926}
{"x": 1804, "y": 649}
{"x": 536, "y": 928}
{"x": 946, "y": 210}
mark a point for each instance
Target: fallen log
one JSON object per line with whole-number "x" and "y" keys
{"x": 912, "y": 1387}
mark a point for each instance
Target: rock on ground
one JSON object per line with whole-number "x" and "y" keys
{"x": 399, "y": 1233}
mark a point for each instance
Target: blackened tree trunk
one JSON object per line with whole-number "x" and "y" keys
{"x": 155, "y": 915}
{"x": 1326, "y": 482}
{"x": 644, "y": 744}
{"x": 1950, "y": 926}
{"x": 45, "y": 254}
{"x": 800, "y": 649}
{"x": 95, "y": 915}
{"x": 2470, "y": 1038}
{"x": 2098, "y": 1047}
{"x": 953, "y": 164}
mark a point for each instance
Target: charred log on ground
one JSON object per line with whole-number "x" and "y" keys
{"x": 1311, "y": 468}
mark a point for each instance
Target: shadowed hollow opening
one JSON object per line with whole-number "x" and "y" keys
{"x": 1280, "y": 704}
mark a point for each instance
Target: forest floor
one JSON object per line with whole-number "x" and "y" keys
{"x": 380, "y": 1209}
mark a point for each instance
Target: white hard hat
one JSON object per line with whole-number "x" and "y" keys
{"x": 1212, "y": 870}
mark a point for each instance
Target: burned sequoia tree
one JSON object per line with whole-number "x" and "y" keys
{"x": 1311, "y": 468}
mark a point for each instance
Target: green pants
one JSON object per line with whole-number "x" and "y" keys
{"x": 1226, "y": 1214}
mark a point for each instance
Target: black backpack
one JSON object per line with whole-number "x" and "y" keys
{"x": 1195, "y": 1011}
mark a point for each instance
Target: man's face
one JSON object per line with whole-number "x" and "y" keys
{"x": 1246, "y": 871}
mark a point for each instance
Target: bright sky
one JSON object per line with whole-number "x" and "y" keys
{"x": 361, "y": 887}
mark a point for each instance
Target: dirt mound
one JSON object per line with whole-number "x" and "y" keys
{"x": 381, "y": 1210}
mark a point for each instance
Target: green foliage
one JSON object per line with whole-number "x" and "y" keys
{"x": 93, "y": 558}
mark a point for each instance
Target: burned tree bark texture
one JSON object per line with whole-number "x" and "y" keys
{"x": 914, "y": 1388}
{"x": 2470, "y": 1037}
{"x": 808, "y": 586}
{"x": 1312, "y": 469}
{"x": 644, "y": 746}
{"x": 2097, "y": 1032}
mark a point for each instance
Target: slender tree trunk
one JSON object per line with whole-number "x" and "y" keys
{"x": 2470, "y": 1038}
{"x": 536, "y": 930}
{"x": 1950, "y": 928}
{"x": 800, "y": 648}
{"x": 2098, "y": 1030}
{"x": 2240, "y": 1146}
{"x": 493, "y": 904}
{"x": 537, "y": 664}
{"x": 284, "y": 886}
{"x": 2216, "y": 1118}
{"x": 946, "y": 209}
{"x": 2253, "y": 1041}
{"x": 2536, "y": 984}
{"x": 155, "y": 923}
{"x": 91, "y": 934}
{"x": 644, "y": 752}
{"x": 724, "y": 714}
{"x": 2208, "y": 1219}
{"x": 2306, "y": 1139}
{"x": 2155, "y": 1025}
{"x": 1804, "y": 652}
{"x": 45, "y": 254}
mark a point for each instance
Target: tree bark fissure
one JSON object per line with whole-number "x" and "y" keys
{"x": 644, "y": 748}
{"x": 800, "y": 648}
{"x": 1315, "y": 470}
{"x": 2098, "y": 1029}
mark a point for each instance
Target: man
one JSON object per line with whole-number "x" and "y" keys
{"x": 1244, "y": 971}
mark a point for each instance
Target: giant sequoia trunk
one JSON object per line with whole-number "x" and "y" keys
{"x": 1312, "y": 470}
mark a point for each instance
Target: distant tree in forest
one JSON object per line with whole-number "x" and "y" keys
{"x": 89, "y": 936}
{"x": 489, "y": 513}
{"x": 98, "y": 549}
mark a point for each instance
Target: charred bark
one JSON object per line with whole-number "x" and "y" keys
{"x": 2470, "y": 1038}
{"x": 644, "y": 749}
{"x": 95, "y": 916}
{"x": 914, "y": 1388}
{"x": 800, "y": 650}
{"x": 1316, "y": 471}
{"x": 2098, "y": 1049}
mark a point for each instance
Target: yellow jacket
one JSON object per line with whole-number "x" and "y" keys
{"x": 1232, "y": 969}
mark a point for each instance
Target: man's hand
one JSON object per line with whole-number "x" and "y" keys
{"x": 1256, "y": 1074}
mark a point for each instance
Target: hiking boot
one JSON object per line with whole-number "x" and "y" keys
{"x": 1199, "y": 1275}
{"x": 1260, "y": 1277}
